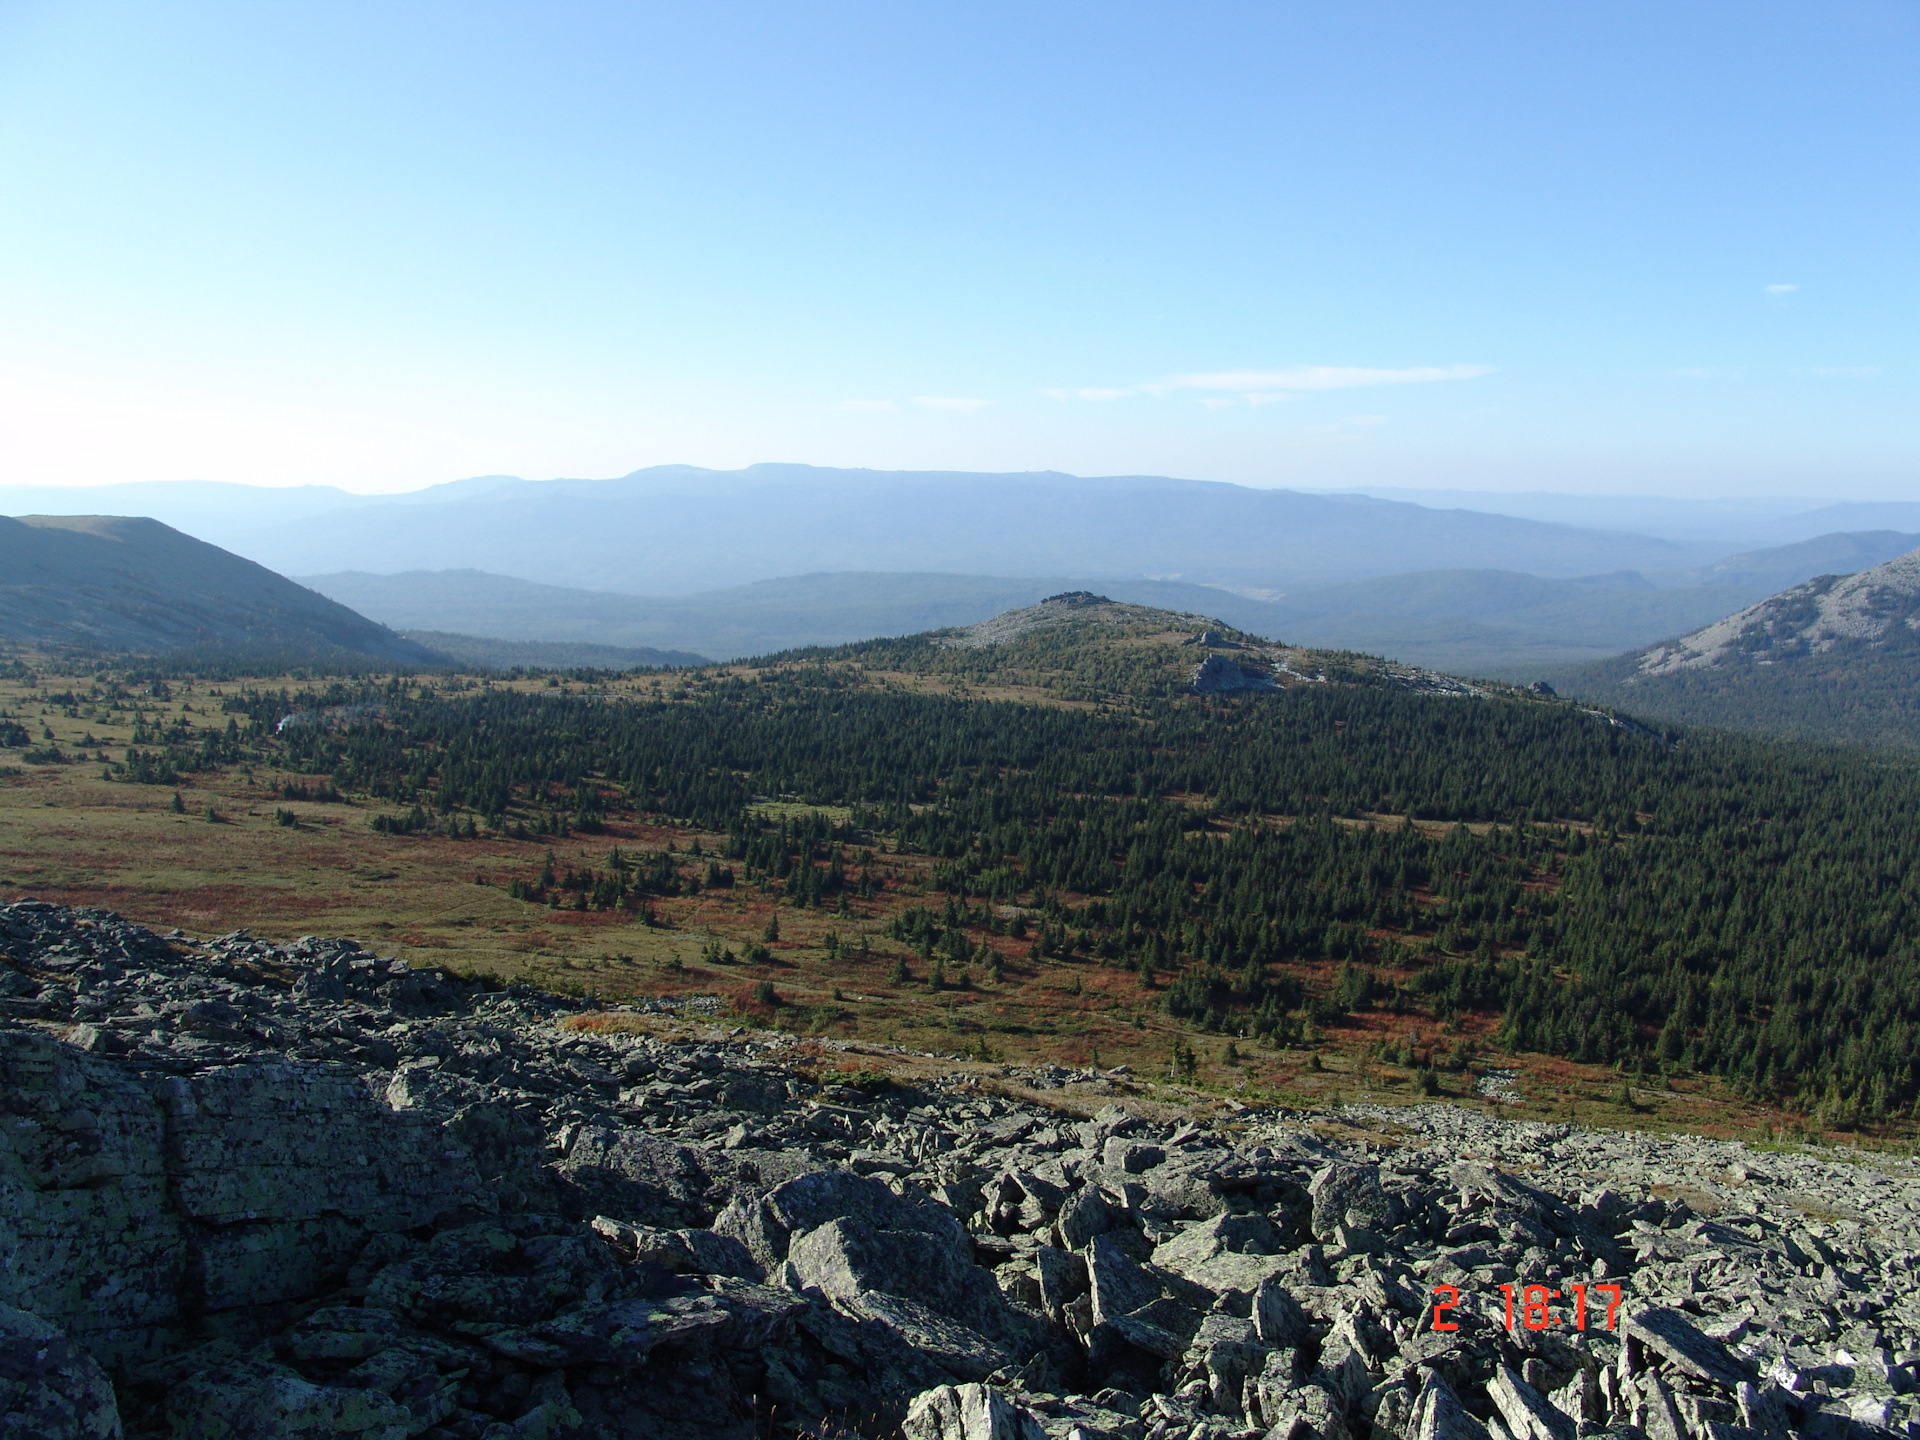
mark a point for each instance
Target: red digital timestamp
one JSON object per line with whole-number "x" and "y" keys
{"x": 1536, "y": 1305}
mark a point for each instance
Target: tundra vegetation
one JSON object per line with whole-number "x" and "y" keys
{"x": 1351, "y": 884}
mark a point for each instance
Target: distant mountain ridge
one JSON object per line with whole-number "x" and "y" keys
{"x": 117, "y": 583}
{"x": 1480, "y": 622}
{"x": 479, "y": 652}
{"x": 756, "y": 619}
{"x": 676, "y": 530}
{"x": 1843, "y": 552}
{"x": 250, "y": 519}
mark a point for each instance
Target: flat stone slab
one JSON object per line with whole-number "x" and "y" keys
{"x": 1676, "y": 1339}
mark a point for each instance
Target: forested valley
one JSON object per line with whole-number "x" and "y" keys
{"x": 1687, "y": 900}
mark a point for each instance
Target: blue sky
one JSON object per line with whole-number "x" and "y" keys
{"x": 1634, "y": 248}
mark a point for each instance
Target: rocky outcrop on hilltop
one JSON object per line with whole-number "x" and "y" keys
{"x": 303, "y": 1190}
{"x": 1072, "y": 608}
{"x": 1217, "y": 675}
{"x": 1808, "y": 619}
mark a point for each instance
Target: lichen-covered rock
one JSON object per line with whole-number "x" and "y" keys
{"x": 1351, "y": 1196}
{"x": 969, "y": 1412}
{"x": 50, "y": 1388}
{"x": 249, "y": 1400}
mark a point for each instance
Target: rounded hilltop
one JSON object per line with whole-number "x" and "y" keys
{"x": 1079, "y": 609}
{"x": 1082, "y": 647}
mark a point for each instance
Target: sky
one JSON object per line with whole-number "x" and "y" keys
{"x": 1635, "y": 248}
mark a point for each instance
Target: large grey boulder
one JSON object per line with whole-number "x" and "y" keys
{"x": 1278, "y": 1318}
{"x": 1309, "y": 1412}
{"x": 1351, "y": 1196}
{"x": 50, "y": 1388}
{"x": 1084, "y": 1215}
{"x": 246, "y": 1401}
{"x": 1439, "y": 1415}
{"x": 1678, "y": 1342}
{"x": 969, "y": 1412}
{"x": 1528, "y": 1414}
{"x": 844, "y": 1259}
{"x": 1119, "y": 1283}
{"x": 1190, "y": 1250}
{"x": 260, "y": 1182}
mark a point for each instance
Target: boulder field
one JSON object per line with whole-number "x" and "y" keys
{"x": 260, "y": 1190}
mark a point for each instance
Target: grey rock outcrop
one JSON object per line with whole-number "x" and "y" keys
{"x": 50, "y": 1386}
{"x": 969, "y": 1412}
{"x": 302, "y": 1190}
{"x": 1217, "y": 675}
{"x": 1805, "y": 620}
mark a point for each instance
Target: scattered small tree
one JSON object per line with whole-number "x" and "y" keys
{"x": 1184, "y": 1063}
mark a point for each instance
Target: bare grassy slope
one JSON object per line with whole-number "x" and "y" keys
{"x": 121, "y": 583}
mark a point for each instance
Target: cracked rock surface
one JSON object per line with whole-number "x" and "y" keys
{"x": 301, "y": 1190}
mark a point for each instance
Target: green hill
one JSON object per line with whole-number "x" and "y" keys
{"x": 121, "y": 584}
{"x": 1081, "y": 647}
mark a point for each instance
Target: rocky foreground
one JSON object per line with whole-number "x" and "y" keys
{"x": 258, "y": 1190}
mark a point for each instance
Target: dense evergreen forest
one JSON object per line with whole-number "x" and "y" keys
{"x": 1693, "y": 900}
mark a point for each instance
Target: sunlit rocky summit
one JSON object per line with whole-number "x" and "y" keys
{"x": 250, "y": 1189}
{"x": 1809, "y": 619}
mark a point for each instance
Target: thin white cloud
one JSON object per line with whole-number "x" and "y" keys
{"x": 1316, "y": 377}
{"x": 1272, "y": 387}
{"x": 1846, "y": 372}
{"x": 1781, "y": 289}
{"x": 865, "y": 407}
{"x": 950, "y": 402}
{"x": 1091, "y": 392}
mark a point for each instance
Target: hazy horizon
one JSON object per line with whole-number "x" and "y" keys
{"x": 1661, "y": 252}
{"x": 1435, "y": 495}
